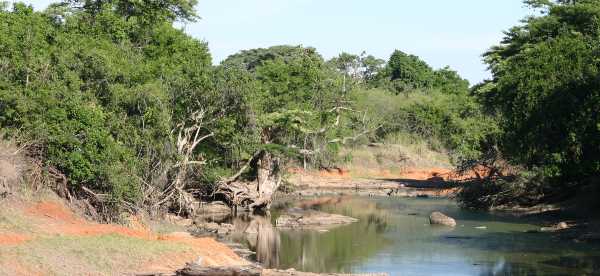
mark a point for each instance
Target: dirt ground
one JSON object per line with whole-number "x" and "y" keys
{"x": 343, "y": 175}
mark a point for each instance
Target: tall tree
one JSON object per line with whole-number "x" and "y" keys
{"x": 408, "y": 72}
{"x": 546, "y": 88}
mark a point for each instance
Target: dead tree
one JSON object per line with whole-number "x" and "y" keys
{"x": 189, "y": 135}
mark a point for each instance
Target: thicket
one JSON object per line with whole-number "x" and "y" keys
{"x": 97, "y": 94}
{"x": 129, "y": 109}
{"x": 545, "y": 92}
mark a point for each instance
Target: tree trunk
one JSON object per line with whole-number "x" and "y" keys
{"x": 269, "y": 178}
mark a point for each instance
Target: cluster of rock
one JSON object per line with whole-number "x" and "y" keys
{"x": 298, "y": 218}
{"x": 220, "y": 229}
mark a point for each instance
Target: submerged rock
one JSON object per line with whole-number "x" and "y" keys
{"x": 302, "y": 218}
{"x": 441, "y": 219}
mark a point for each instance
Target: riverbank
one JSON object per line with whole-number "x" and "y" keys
{"x": 44, "y": 236}
{"x": 427, "y": 182}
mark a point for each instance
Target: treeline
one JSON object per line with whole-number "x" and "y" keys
{"x": 405, "y": 96}
{"x": 531, "y": 133}
{"x": 131, "y": 111}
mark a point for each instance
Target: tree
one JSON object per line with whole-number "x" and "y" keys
{"x": 545, "y": 87}
{"x": 292, "y": 103}
{"x": 407, "y": 72}
{"x": 449, "y": 81}
{"x": 372, "y": 67}
{"x": 146, "y": 11}
{"x": 105, "y": 104}
{"x": 348, "y": 65}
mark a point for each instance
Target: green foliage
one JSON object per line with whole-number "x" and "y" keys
{"x": 404, "y": 73}
{"x": 547, "y": 92}
{"x": 454, "y": 119}
{"x": 144, "y": 11}
{"x": 449, "y": 81}
{"x": 408, "y": 72}
{"x": 292, "y": 100}
{"x": 100, "y": 106}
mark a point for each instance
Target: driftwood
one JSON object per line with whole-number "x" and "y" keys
{"x": 238, "y": 194}
{"x": 253, "y": 195}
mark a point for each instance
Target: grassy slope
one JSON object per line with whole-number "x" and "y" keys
{"x": 51, "y": 240}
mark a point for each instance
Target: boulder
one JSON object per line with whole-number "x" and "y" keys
{"x": 441, "y": 219}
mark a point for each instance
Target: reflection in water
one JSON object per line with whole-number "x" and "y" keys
{"x": 393, "y": 235}
{"x": 258, "y": 233}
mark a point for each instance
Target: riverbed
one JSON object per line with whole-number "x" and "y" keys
{"x": 393, "y": 235}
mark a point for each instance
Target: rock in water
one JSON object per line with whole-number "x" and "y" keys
{"x": 439, "y": 218}
{"x": 557, "y": 227}
{"x": 307, "y": 219}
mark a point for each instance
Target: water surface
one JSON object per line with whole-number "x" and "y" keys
{"x": 394, "y": 236}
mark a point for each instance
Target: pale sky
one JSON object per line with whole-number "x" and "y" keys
{"x": 441, "y": 32}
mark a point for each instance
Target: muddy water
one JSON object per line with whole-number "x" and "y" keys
{"x": 394, "y": 236}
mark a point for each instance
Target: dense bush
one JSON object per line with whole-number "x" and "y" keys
{"x": 101, "y": 108}
{"x": 123, "y": 104}
{"x": 547, "y": 92}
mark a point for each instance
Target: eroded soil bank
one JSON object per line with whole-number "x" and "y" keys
{"x": 432, "y": 182}
{"x": 48, "y": 238}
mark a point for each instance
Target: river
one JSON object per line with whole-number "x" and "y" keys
{"x": 393, "y": 235}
